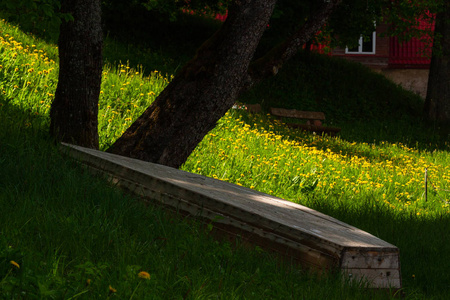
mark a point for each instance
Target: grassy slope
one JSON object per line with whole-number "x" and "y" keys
{"x": 65, "y": 234}
{"x": 420, "y": 249}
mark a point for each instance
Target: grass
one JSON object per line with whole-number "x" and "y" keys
{"x": 370, "y": 177}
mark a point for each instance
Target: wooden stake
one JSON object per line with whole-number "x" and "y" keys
{"x": 426, "y": 183}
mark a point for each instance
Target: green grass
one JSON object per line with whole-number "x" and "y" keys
{"x": 371, "y": 177}
{"x": 73, "y": 235}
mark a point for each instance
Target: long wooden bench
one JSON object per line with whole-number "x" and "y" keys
{"x": 313, "y": 119}
{"x": 305, "y": 235}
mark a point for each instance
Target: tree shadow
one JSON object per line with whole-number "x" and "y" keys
{"x": 15, "y": 121}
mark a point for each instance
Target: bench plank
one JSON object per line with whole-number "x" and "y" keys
{"x": 314, "y": 239}
{"x": 313, "y": 124}
{"x": 293, "y": 113}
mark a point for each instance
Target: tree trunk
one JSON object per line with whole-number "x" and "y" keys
{"x": 189, "y": 107}
{"x": 437, "y": 102}
{"x": 272, "y": 62}
{"x": 75, "y": 108}
{"x": 204, "y": 90}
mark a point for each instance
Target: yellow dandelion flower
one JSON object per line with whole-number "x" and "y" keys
{"x": 112, "y": 290}
{"x": 144, "y": 275}
{"x": 15, "y": 264}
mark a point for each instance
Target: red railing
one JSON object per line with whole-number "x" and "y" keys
{"x": 413, "y": 53}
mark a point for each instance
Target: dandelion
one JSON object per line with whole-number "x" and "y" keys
{"x": 144, "y": 275}
{"x": 15, "y": 264}
{"x": 112, "y": 290}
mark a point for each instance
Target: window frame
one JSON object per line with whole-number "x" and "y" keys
{"x": 360, "y": 46}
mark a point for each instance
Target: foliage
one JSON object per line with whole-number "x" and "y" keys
{"x": 171, "y": 9}
{"x": 37, "y": 16}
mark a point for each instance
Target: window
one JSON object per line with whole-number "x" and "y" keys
{"x": 366, "y": 46}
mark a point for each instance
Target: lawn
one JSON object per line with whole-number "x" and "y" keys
{"x": 64, "y": 234}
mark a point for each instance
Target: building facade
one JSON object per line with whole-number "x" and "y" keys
{"x": 405, "y": 62}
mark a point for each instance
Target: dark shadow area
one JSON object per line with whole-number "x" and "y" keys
{"x": 423, "y": 242}
{"x": 138, "y": 37}
{"x": 367, "y": 106}
{"x": 15, "y": 121}
{"x": 152, "y": 40}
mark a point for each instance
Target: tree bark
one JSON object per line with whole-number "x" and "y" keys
{"x": 189, "y": 107}
{"x": 272, "y": 62}
{"x": 437, "y": 102}
{"x": 74, "y": 110}
{"x": 204, "y": 90}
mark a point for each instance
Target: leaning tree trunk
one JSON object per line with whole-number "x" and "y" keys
{"x": 208, "y": 85}
{"x": 75, "y": 108}
{"x": 437, "y": 102}
{"x": 189, "y": 107}
{"x": 271, "y": 63}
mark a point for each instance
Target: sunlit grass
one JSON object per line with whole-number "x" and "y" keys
{"x": 261, "y": 154}
{"x": 29, "y": 79}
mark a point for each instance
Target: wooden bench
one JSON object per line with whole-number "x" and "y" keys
{"x": 304, "y": 235}
{"x": 313, "y": 119}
